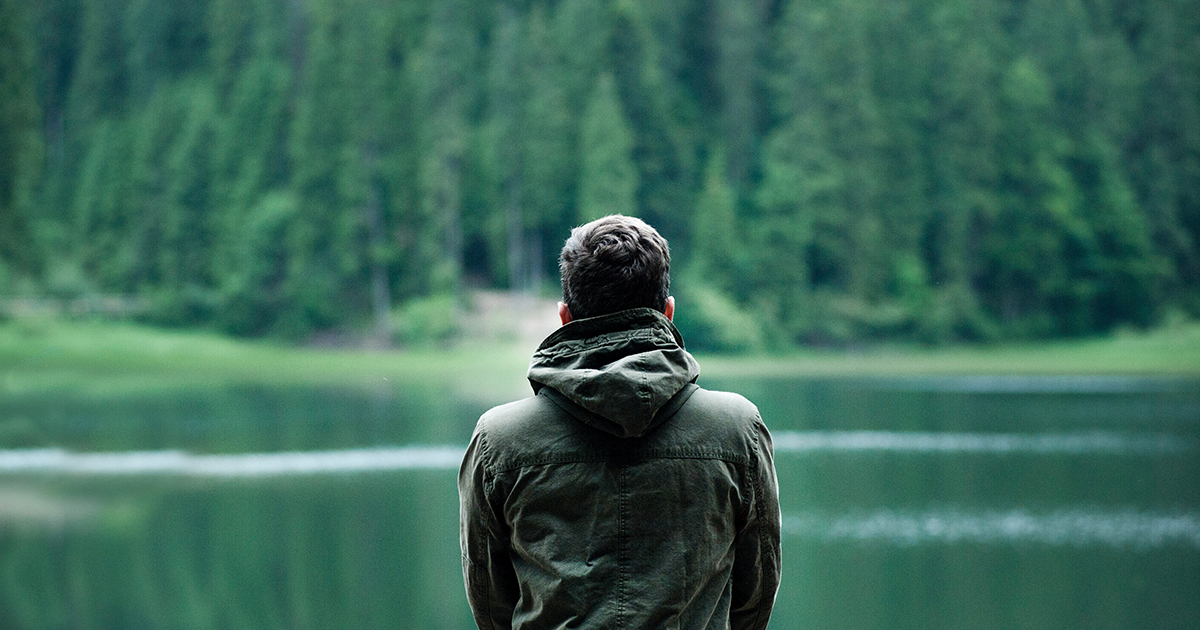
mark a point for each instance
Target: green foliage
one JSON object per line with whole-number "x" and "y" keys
{"x": 608, "y": 179}
{"x": 426, "y": 321}
{"x": 715, "y": 229}
{"x": 711, "y": 321}
{"x": 20, "y": 144}
{"x": 844, "y": 169}
{"x": 256, "y": 291}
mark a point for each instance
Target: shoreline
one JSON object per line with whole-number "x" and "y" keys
{"x": 40, "y": 355}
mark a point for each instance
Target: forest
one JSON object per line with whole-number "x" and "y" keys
{"x": 827, "y": 171}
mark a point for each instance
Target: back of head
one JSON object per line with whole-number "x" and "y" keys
{"x": 613, "y": 264}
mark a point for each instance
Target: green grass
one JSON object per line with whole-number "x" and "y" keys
{"x": 41, "y": 355}
{"x": 1168, "y": 352}
{"x": 108, "y": 357}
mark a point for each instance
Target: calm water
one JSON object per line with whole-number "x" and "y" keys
{"x": 908, "y": 503}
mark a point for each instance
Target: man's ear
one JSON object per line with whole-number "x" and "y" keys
{"x": 564, "y": 313}
{"x": 669, "y": 310}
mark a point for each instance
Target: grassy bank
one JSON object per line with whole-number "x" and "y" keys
{"x": 44, "y": 355}
{"x": 49, "y": 354}
{"x": 1168, "y": 352}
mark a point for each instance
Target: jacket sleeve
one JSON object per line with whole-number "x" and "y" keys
{"x": 756, "y": 563}
{"x": 491, "y": 583}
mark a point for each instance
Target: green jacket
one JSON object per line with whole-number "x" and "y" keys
{"x": 621, "y": 495}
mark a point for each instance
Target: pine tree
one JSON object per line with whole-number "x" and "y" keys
{"x": 444, "y": 73}
{"x": 1026, "y": 240}
{"x": 550, "y": 160}
{"x": 715, "y": 233}
{"x": 608, "y": 181}
{"x": 504, "y": 135}
{"x": 740, "y": 36}
{"x": 20, "y": 146}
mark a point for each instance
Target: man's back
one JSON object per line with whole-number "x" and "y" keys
{"x": 621, "y": 495}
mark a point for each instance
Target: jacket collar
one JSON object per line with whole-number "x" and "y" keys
{"x": 621, "y": 369}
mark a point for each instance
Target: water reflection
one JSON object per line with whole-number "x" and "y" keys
{"x": 61, "y": 462}
{"x": 1131, "y": 529}
{"x": 366, "y": 550}
{"x": 1078, "y": 443}
{"x": 907, "y": 503}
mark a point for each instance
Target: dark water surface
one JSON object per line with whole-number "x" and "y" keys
{"x": 960, "y": 502}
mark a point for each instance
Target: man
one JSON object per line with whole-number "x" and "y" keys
{"x": 621, "y": 495}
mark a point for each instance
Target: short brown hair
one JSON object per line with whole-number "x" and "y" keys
{"x": 612, "y": 264}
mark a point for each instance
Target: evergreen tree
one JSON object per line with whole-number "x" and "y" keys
{"x": 318, "y": 142}
{"x": 849, "y": 169}
{"x": 444, "y": 73}
{"x": 505, "y": 131}
{"x": 740, "y": 38}
{"x": 580, "y": 29}
{"x": 549, "y": 156}
{"x": 20, "y": 146}
{"x": 665, "y": 147}
{"x": 1027, "y": 239}
{"x": 715, "y": 233}
{"x": 608, "y": 181}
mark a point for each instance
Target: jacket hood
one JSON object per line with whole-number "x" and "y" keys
{"x": 619, "y": 369}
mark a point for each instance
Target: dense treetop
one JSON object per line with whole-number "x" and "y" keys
{"x": 826, "y": 170}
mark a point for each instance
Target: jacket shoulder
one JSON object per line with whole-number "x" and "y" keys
{"x": 504, "y": 422}
{"x": 721, "y": 412}
{"x": 521, "y": 428}
{"x": 713, "y": 423}
{"x": 723, "y": 403}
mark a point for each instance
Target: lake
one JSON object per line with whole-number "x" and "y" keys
{"x": 923, "y": 502}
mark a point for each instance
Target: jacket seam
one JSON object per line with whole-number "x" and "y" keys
{"x": 758, "y": 493}
{"x": 624, "y": 460}
{"x": 489, "y": 486}
{"x": 622, "y": 542}
{"x": 605, "y": 340}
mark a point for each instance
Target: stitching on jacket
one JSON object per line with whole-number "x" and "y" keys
{"x": 607, "y": 339}
{"x": 485, "y": 450}
{"x": 622, "y": 539}
{"x": 758, "y": 494}
{"x": 728, "y": 458}
{"x": 489, "y": 485}
{"x": 487, "y": 594}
